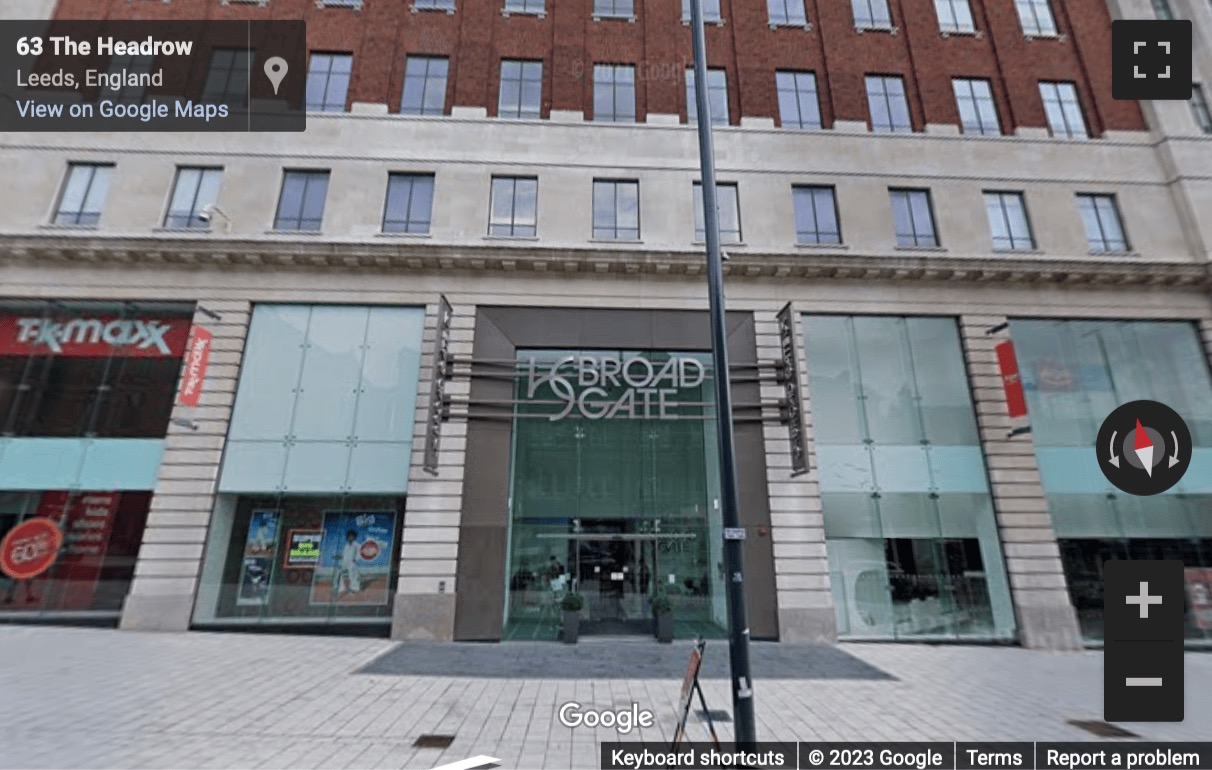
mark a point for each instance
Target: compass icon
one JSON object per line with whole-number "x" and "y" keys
{"x": 1144, "y": 447}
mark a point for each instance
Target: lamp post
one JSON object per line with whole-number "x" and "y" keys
{"x": 738, "y": 624}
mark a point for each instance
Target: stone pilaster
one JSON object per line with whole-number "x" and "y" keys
{"x": 1045, "y": 616}
{"x": 801, "y": 566}
{"x": 424, "y": 605}
{"x": 161, "y": 597}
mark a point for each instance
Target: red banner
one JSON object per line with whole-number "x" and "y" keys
{"x": 87, "y": 520}
{"x": 197, "y": 355}
{"x": 30, "y": 548}
{"x": 1012, "y": 383}
{"x": 93, "y": 336}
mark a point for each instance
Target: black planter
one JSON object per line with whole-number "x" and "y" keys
{"x": 572, "y": 627}
{"x": 664, "y": 627}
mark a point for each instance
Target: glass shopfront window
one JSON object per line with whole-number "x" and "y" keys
{"x": 614, "y": 493}
{"x": 909, "y": 524}
{"x": 1074, "y": 374}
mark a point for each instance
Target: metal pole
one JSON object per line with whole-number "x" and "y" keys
{"x": 738, "y": 625}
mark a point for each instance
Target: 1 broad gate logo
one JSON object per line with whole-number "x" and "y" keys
{"x": 609, "y": 387}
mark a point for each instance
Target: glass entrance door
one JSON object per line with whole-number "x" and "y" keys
{"x": 614, "y": 573}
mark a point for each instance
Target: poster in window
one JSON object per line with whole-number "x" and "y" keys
{"x": 302, "y": 548}
{"x": 259, "y": 549}
{"x": 1199, "y": 588}
{"x": 354, "y": 568}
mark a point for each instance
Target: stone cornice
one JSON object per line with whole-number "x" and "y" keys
{"x": 389, "y": 255}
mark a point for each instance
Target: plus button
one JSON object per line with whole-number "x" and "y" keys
{"x": 1144, "y": 600}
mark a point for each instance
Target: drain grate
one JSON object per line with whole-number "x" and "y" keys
{"x": 433, "y": 742}
{"x": 1102, "y": 729}
{"x": 717, "y": 715}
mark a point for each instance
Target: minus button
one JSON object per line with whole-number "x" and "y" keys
{"x": 1143, "y": 681}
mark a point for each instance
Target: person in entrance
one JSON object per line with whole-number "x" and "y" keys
{"x": 347, "y": 567}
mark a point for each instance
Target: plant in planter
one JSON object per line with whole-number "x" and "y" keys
{"x": 572, "y": 604}
{"x": 662, "y": 610}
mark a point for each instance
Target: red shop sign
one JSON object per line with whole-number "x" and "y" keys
{"x": 1012, "y": 383}
{"x": 30, "y": 548}
{"x": 194, "y": 372}
{"x": 93, "y": 336}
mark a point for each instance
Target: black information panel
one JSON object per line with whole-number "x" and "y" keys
{"x": 223, "y": 76}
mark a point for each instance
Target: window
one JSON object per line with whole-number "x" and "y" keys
{"x": 798, "y": 103}
{"x": 614, "y": 8}
{"x": 717, "y": 97}
{"x": 1199, "y": 108}
{"x": 134, "y": 64}
{"x": 514, "y": 206}
{"x": 1036, "y": 17}
{"x": 525, "y": 6}
{"x": 83, "y": 194}
{"x": 227, "y": 78}
{"x": 434, "y": 5}
{"x": 409, "y": 203}
{"x": 954, "y": 16}
{"x": 614, "y": 93}
{"x": 729, "y": 207}
{"x": 871, "y": 14}
{"x": 815, "y": 215}
{"x": 787, "y": 12}
{"x": 711, "y": 10}
{"x": 328, "y": 81}
{"x": 616, "y": 210}
{"x": 1104, "y": 229}
{"x": 1063, "y": 109}
{"x": 886, "y": 100}
{"x": 194, "y": 190}
{"x": 521, "y": 89}
{"x": 424, "y": 85}
{"x": 1162, "y": 10}
{"x": 914, "y": 219}
{"x": 974, "y": 100}
{"x": 301, "y": 205}
{"x": 1008, "y": 221}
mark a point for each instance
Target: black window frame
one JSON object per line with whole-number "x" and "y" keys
{"x": 188, "y": 220}
{"x": 916, "y": 238}
{"x": 79, "y": 216}
{"x": 816, "y": 193}
{"x": 406, "y": 224}
{"x": 427, "y": 81}
{"x": 612, "y": 231}
{"x": 310, "y": 177}
{"x": 332, "y": 58}
{"x": 614, "y": 85}
{"x": 514, "y": 226}
{"x": 521, "y": 112}
{"x": 1013, "y": 242}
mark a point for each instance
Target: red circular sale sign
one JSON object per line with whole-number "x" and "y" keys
{"x": 30, "y": 548}
{"x": 370, "y": 549}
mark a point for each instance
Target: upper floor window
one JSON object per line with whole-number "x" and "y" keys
{"x": 1104, "y": 228}
{"x": 1063, "y": 109}
{"x": 194, "y": 190}
{"x": 227, "y": 77}
{"x": 616, "y": 210}
{"x": 424, "y": 85}
{"x": 301, "y": 204}
{"x": 711, "y": 10}
{"x": 1162, "y": 9}
{"x": 84, "y": 191}
{"x": 614, "y": 8}
{"x": 871, "y": 14}
{"x": 799, "y": 106}
{"x": 1036, "y": 17}
{"x": 717, "y": 97}
{"x": 1199, "y": 109}
{"x": 1008, "y": 221}
{"x": 887, "y": 103}
{"x": 977, "y": 111}
{"x": 525, "y": 6}
{"x": 521, "y": 89}
{"x": 815, "y": 215}
{"x": 409, "y": 204}
{"x": 614, "y": 93}
{"x": 434, "y": 5}
{"x": 787, "y": 12}
{"x": 729, "y": 205}
{"x": 913, "y": 216}
{"x": 514, "y": 208}
{"x": 328, "y": 81}
{"x": 954, "y": 16}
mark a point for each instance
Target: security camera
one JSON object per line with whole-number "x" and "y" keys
{"x": 204, "y": 215}
{"x": 208, "y": 213}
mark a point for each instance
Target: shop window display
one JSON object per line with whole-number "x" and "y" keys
{"x": 301, "y": 559}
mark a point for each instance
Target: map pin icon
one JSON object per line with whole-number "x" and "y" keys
{"x": 275, "y": 70}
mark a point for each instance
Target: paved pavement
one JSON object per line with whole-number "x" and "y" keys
{"x": 91, "y": 698}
